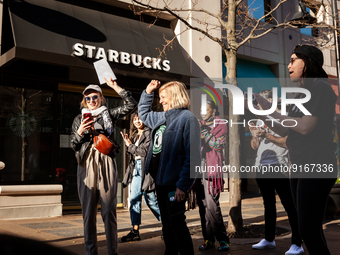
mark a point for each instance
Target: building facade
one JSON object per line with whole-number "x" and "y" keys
{"x": 48, "y": 48}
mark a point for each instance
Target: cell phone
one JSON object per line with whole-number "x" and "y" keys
{"x": 171, "y": 196}
{"x": 87, "y": 115}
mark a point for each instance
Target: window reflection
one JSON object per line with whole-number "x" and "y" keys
{"x": 26, "y": 124}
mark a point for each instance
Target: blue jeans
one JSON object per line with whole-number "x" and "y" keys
{"x": 136, "y": 197}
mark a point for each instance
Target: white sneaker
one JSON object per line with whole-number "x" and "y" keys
{"x": 294, "y": 249}
{"x": 264, "y": 245}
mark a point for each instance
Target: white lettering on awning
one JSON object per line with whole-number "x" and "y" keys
{"x": 89, "y": 51}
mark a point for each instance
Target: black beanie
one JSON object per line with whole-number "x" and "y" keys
{"x": 311, "y": 52}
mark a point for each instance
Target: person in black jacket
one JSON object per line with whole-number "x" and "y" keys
{"x": 141, "y": 184}
{"x": 97, "y": 173}
{"x": 311, "y": 131}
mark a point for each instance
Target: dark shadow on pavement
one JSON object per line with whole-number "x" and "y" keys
{"x": 13, "y": 245}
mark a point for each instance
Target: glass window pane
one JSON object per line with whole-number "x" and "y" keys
{"x": 26, "y": 122}
{"x": 66, "y": 169}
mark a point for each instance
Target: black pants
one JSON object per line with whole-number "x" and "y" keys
{"x": 282, "y": 187}
{"x": 176, "y": 234}
{"x": 210, "y": 213}
{"x": 310, "y": 197}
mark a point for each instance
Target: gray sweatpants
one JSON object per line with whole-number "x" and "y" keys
{"x": 97, "y": 179}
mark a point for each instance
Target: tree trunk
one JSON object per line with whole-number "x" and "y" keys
{"x": 235, "y": 222}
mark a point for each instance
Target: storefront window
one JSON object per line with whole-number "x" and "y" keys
{"x": 26, "y": 135}
{"x": 66, "y": 168}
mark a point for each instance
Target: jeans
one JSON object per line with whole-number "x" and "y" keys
{"x": 136, "y": 197}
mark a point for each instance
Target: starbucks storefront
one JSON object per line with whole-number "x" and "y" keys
{"x": 47, "y": 53}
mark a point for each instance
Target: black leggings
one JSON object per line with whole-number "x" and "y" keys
{"x": 282, "y": 188}
{"x": 310, "y": 197}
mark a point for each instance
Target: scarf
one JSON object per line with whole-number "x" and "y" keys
{"x": 106, "y": 117}
{"x": 214, "y": 158}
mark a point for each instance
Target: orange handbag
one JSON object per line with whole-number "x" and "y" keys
{"x": 103, "y": 143}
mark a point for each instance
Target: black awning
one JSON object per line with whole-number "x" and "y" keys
{"x": 46, "y": 31}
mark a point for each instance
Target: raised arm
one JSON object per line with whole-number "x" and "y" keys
{"x": 147, "y": 116}
{"x": 113, "y": 84}
{"x": 129, "y": 102}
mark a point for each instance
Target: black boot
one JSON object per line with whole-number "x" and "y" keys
{"x": 132, "y": 236}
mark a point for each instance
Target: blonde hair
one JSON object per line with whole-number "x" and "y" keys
{"x": 83, "y": 103}
{"x": 178, "y": 96}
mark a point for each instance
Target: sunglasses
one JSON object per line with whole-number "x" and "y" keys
{"x": 94, "y": 98}
{"x": 292, "y": 60}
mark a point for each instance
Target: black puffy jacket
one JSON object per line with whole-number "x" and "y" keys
{"x": 79, "y": 144}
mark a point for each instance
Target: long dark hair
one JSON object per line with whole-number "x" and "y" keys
{"x": 133, "y": 129}
{"x": 312, "y": 69}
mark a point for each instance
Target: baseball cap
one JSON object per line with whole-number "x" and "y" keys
{"x": 93, "y": 87}
{"x": 311, "y": 52}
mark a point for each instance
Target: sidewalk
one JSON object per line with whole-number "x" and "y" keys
{"x": 66, "y": 232}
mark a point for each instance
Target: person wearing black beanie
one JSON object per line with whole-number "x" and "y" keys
{"x": 311, "y": 144}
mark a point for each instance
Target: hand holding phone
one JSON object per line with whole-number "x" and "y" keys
{"x": 87, "y": 116}
{"x": 180, "y": 195}
{"x": 172, "y": 196}
{"x": 85, "y": 124}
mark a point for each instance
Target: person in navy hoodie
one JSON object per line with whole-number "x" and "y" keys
{"x": 173, "y": 154}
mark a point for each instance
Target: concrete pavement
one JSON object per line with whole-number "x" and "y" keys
{"x": 66, "y": 233}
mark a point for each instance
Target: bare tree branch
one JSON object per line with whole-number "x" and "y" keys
{"x": 167, "y": 9}
{"x": 169, "y": 43}
{"x": 238, "y": 3}
{"x": 255, "y": 27}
